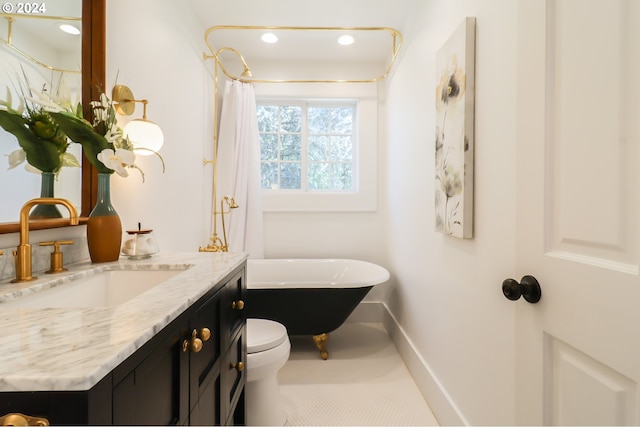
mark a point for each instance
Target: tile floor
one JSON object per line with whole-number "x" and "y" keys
{"x": 364, "y": 382}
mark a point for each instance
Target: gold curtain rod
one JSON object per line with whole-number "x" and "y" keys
{"x": 8, "y": 42}
{"x": 395, "y": 34}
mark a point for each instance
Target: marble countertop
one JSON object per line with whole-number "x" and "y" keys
{"x": 74, "y": 348}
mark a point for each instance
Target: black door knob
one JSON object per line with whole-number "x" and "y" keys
{"x": 528, "y": 287}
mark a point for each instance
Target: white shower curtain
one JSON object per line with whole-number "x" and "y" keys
{"x": 238, "y": 168}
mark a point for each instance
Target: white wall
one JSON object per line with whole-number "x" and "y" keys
{"x": 447, "y": 296}
{"x": 331, "y": 228}
{"x": 156, "y": 48}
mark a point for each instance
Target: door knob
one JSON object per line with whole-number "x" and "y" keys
{"x": 528, "y": 287}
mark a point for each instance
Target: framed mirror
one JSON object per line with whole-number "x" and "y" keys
{"x": 92, "y": 81}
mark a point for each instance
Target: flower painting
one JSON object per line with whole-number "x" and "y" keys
{"x": 454, "y": 133}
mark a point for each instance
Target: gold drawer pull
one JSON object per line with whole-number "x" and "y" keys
{"x": 194, "y": 344}
{"x": 238, "y": 366}
{"x": 205, "y": 334}
{"x": 237, "y": 305}
{"x": 16, "y": 419}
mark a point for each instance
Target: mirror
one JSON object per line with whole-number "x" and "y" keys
{"x": 36, "y": 53}
{"x": 92, "y": 62}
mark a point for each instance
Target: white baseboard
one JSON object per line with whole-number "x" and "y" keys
{"x": 440, "y": 402}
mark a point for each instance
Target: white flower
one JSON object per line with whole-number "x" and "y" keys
{"x": 113, "y": 135}
{"x": 16, "y": 158}
{"x": 44, "y": 100}
{"x": 32, "y": 169}
{"x": 117, "y": 160}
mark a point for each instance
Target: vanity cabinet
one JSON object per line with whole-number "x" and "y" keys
{"x": 189, "y": 373}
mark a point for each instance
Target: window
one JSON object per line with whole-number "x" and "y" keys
{"x": 307, "y": 146}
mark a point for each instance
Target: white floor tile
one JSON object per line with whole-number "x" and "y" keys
{"x": 364, "y": 382}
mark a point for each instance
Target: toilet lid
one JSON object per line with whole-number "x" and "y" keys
{"x": 263, "y": 334}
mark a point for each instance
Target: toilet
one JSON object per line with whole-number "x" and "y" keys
{"x": 268, "y": 349}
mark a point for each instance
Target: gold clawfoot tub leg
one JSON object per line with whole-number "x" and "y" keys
{"x": 321, "y": 343}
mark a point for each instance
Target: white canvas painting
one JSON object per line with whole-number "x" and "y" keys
{"x": 454, "y": 133}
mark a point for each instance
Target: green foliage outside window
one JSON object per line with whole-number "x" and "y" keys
{"x": 307, "y": 146}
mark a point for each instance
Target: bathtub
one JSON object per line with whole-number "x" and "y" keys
{"x": 309, "y": 296}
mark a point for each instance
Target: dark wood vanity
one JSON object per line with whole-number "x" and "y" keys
{"x": 190, "y": 373}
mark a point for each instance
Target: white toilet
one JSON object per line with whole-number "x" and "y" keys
{"x": 267, "y": 351}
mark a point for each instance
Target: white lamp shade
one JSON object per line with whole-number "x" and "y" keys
{"x": 144, "y": 134}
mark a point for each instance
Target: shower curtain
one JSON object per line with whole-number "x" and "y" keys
{"x": 238, "y": 168}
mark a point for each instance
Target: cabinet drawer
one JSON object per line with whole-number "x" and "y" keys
{"x": 233, "y": 300}
{"x": 234, "y": 371}
{"x": 204, "y": 363}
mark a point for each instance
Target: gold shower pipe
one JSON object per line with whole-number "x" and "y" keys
{"x": 395, "y": 48}
{"x": 11, "y": 17}
{"x": 217, "y": 244}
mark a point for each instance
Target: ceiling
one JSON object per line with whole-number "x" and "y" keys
{"x": 373, "y": 48}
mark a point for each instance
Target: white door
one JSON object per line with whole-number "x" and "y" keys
{"x": 578, "y": 349}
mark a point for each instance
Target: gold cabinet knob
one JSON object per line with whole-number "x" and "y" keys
{"x": 205, "y": 334}
{"x": 237, "y": 305}
{"x": 238, "y": 366}
{"x": 194, "y": 344}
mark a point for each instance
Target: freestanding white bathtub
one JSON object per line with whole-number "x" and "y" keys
{"x": 309, "y": 296}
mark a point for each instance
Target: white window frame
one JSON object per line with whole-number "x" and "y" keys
{"x": 363, "y": 196}
{"x": 305, "y": 164}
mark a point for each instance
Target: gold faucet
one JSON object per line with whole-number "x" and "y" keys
{"x": 23, "y": 253}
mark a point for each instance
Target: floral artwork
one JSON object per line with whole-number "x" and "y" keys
{"x": 454, "y": 133}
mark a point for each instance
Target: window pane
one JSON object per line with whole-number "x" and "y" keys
{"x": 291, "y": 118}
{"x": 341, "y": 148}
{"x": 341, "y": 176}
{"x": 306, "y": 144}
{"x": 291, "y": 147}
{"x": 290, "y": 176}
{"x": 319, "y": 176}
{"x": 342, "y": 120}
{"x": 318, "y": 120}
{"x": 269, "y": 175}
{"x": 318, "y": 149}
{"x": 268, "y": 147}
{"x": 267, "y": 118}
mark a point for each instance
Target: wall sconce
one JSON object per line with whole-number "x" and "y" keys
{"x": 143, "y": 133}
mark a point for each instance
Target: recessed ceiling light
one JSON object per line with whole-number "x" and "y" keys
{"x": 269, "y": 38}
{"x": 70, "y": 29}
{"x": 346, "y": 40}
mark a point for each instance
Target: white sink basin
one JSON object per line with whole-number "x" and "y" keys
{"x": 104, "y": 289}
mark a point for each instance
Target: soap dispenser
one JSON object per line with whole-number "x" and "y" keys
{"x": 139, "y": 244}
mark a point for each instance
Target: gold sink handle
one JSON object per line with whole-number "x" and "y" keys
{"x": 57, "y": 263}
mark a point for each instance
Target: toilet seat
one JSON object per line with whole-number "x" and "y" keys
{"x": 263, "y": 334}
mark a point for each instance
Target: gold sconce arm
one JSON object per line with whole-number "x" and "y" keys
{"x": 146, "y": 136}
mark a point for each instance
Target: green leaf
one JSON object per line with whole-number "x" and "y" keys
{"x": 80, "y": 131}
{"x": 70, "y": 160}
{"x": 41, "y": 153}
{"x": 79, "y": 113}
